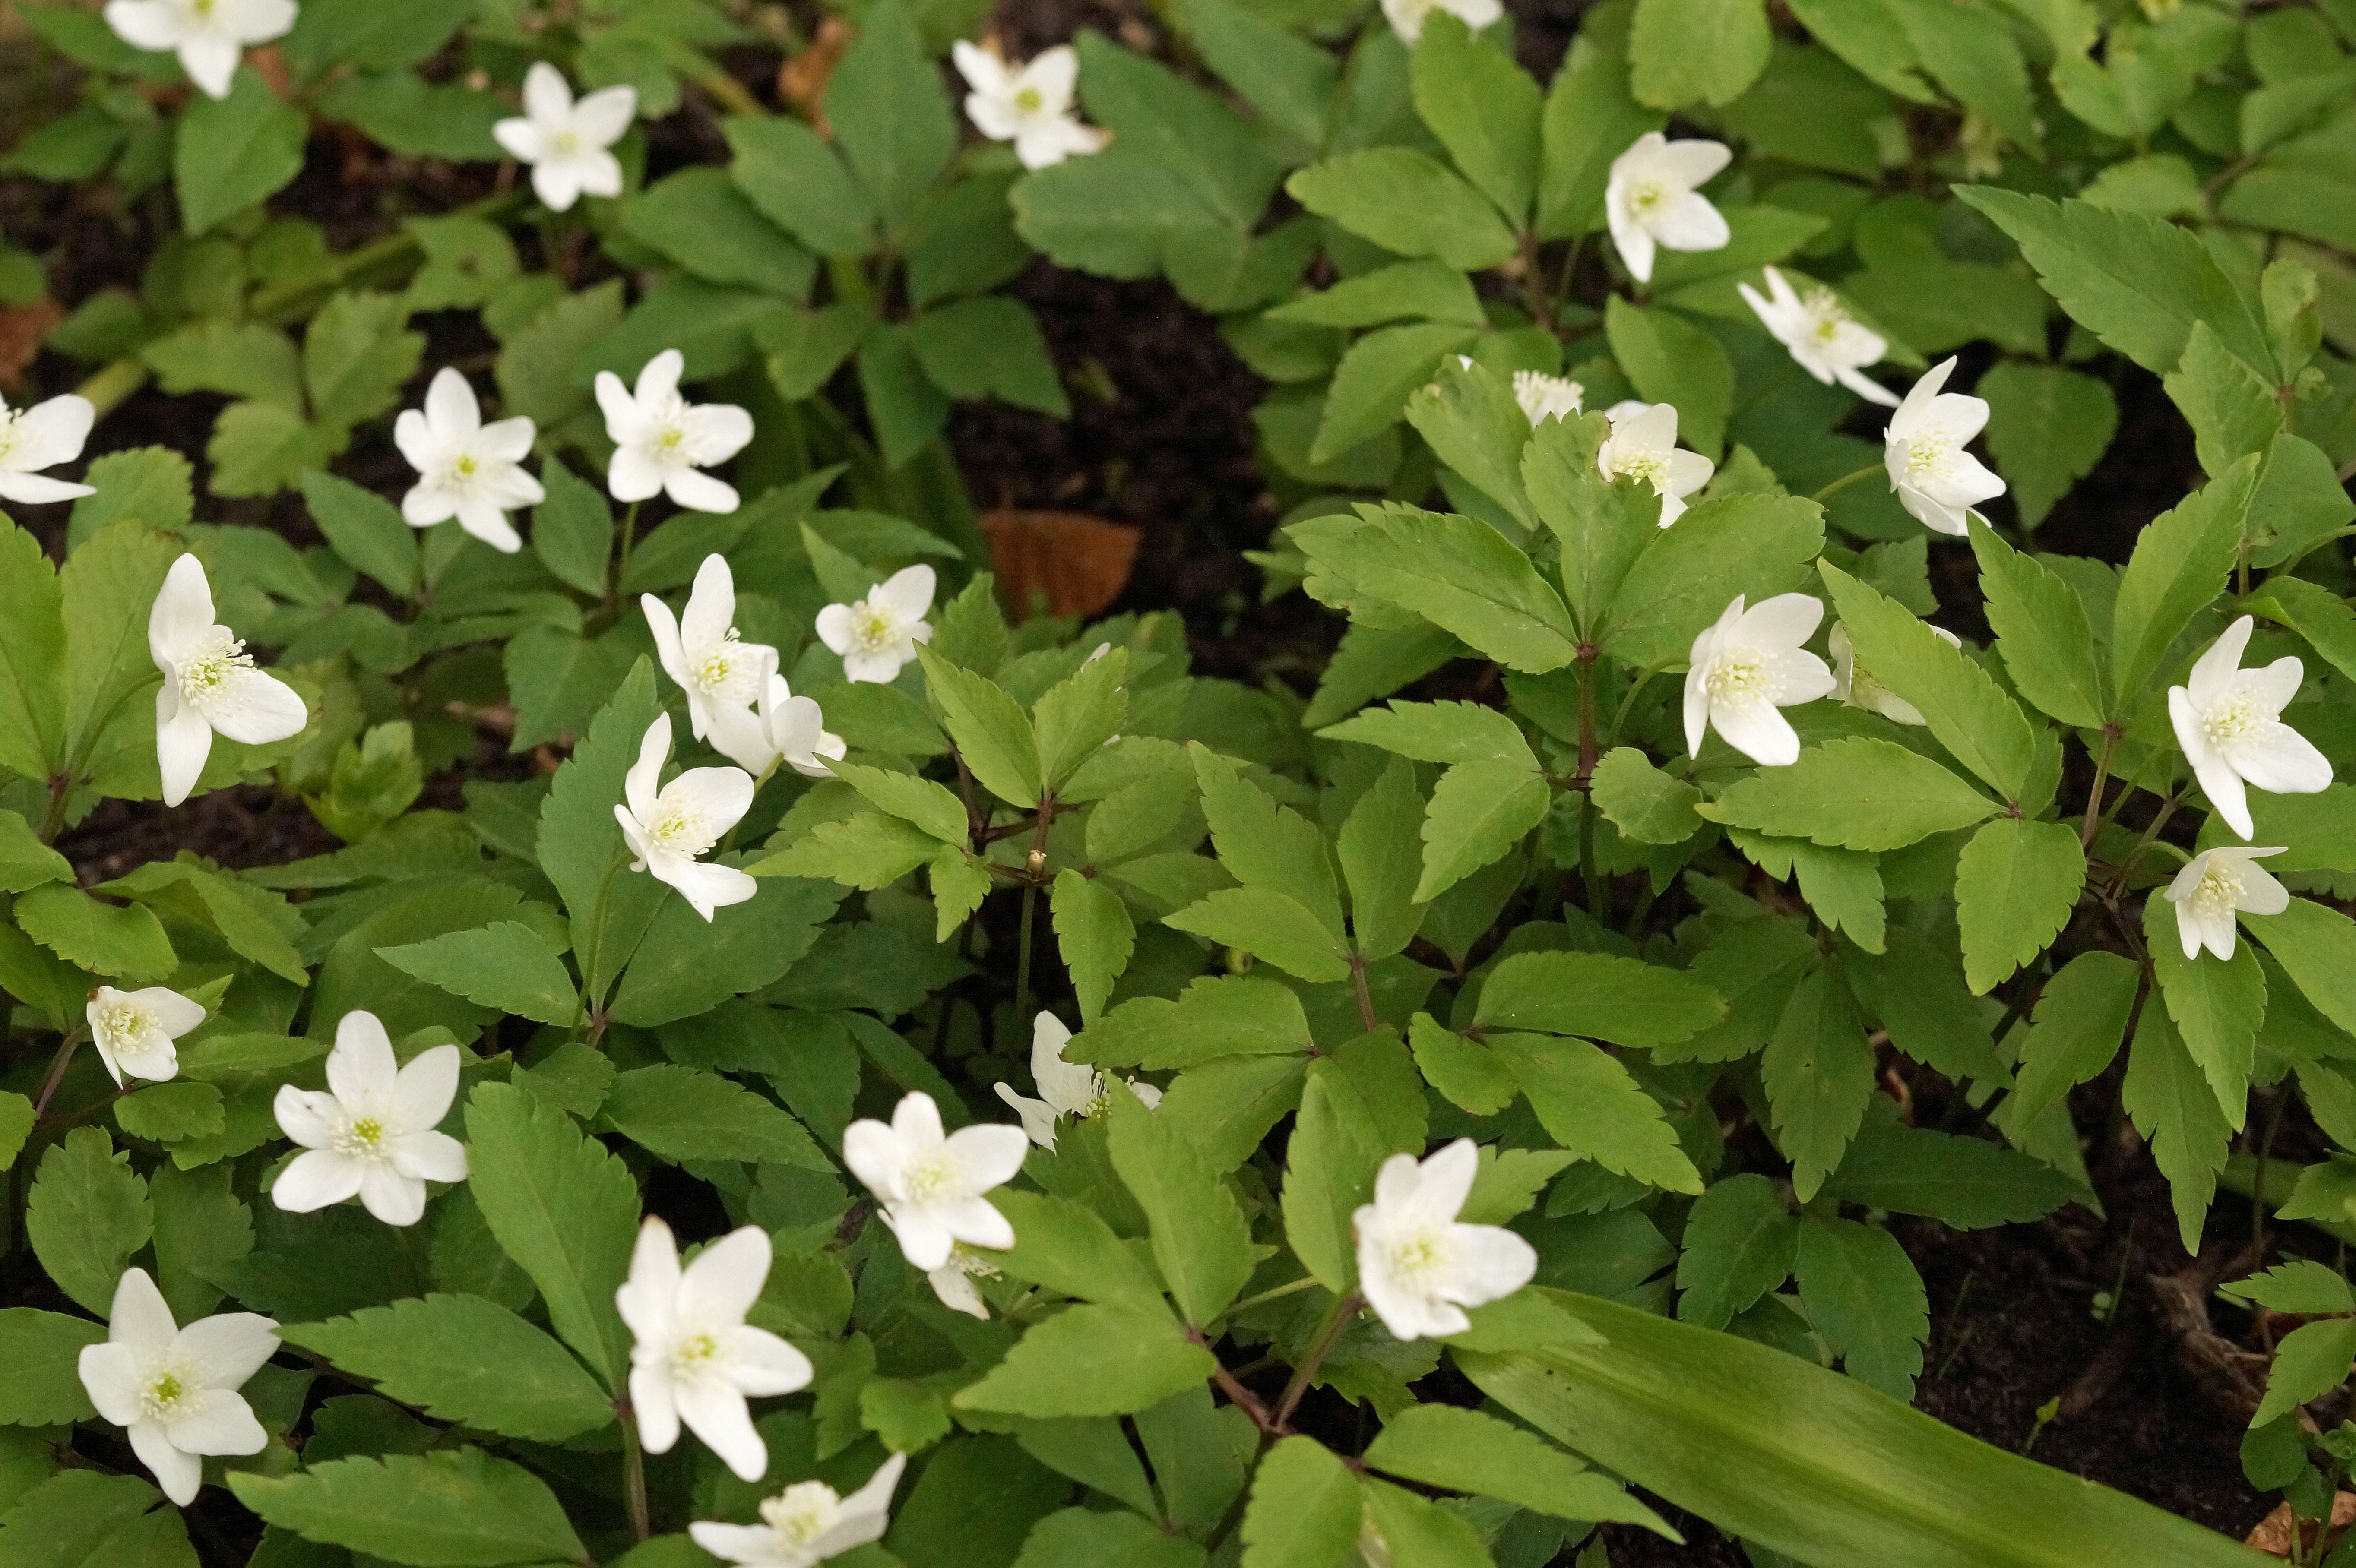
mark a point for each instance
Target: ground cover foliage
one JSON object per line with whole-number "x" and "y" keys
{"x": 856, "y": 1068}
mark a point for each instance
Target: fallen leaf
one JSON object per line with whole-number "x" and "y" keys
{"x": 2273, "y": 1535}
{"x": 801, "y": 80}
{"x": 1079, "y": 563}
{"x": 21, "y": 328}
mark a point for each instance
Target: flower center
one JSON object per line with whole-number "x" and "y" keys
{"x": 172, "y": 1392}
{"x": 1647, "y": 195}
{"x": 566, "y": 142}
{"x": 720, "y": 667}
{"x": 1737, "y": 676}
{"x": 1929, "y": 453}
{"x": 203, "y": 677}
{"x": 805, "y": 1511}
{"x": 1415, "y": 1257}
{"x": 203, "y": 8}
{"x": 366, "y": 1137}
{"x": 126, "y": 1026}
{"x": 697, "y": 1357}
{"x": 930, "y": 1178}
{"x": 1651, "y": 467}
{"x": 681, "y": 828}
{"x": 1030, "y": 101}
{"x": 873, "y": 627}
{"x": 2219, "y": 890}
{"x": 669, "y": 445}
{"x": 2238, "y": 718}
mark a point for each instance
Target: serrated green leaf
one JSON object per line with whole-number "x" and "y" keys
{"x": 1329, "y": 1164}
{"x": 2217, "y": 1005}
{"x": 2016, "y": 883}
{"x": 42, "y": 1351}
{"x": 2168, "y": 1096}
{"x": 2048, "y": 426}
{"x": 1668, "y": 358}
{"x": 1591, "y": 1105}
{"x": 2316, "y": 945}
{"x": 1439, "y": 733}
{"x": 364, "y": 530}
{"x": 1214, "y": 1017}
{"x": 1751, "y": 544}
{"x": 461, "y": 1359}
{"x": 458, "y": 1508}
{"x": 1384, "y": 916}
{"x": 1091, "y": 1360}
{"x": 2079, "y": 1024}
{"x": 1068, "y": 1248}
{"x": 1200, "y": 1239}
{"x": 993, "y": 734}
{"x": 86, "y": 1216}
{"x": 2179, "y": 565}
{"x": 1466, "y": 1451}
{"x": 867, "y": 851}
{"x": 1305, "y": 1511}
{"x": 1644, "y": 803}
{"x": 1686, "y": 51}
{"x": 1969, "y": 1184}
{"x": 2042, "y": 632}
{"x": 680, "y": 1114}
{"x": 1856, "y": 793}
{"x": 1863, "y": 1296}
{"x": 1819, "y": 1074}
{"x": 1598, "y": 995}
{"x": 1739, "y": 1244}
{"x": 233, "y": 152}
{"x": 1095, "y": 935}
{"x": 1478, "y": 812}
{"x": 1404, "y": 201}
{"x": 504, "y": 965}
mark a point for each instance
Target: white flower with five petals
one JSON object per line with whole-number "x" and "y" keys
{"x": 2229, "y": 722}
{"x": 173, "y": 1390}
{"x": 1644, "y": 445}
{"x": 930, "y": 1183}
{"x": 2212, "y": 886}
{"x": 693, "y": 1358}
{"x": 42, "y": 437}
{"x": 1066, "y": 1088}
{"x": 806, "y": 1524}
{"x": 373, "y": 1132}
{"x": 669, "y": 829}
{"x": 1653, "y": 200}
{"x": 1407, "y": 17}
{"x": 879, "y": 634}
{"x": 1934, "y": 477}
{"x": 783, "y": 729}
{"x": 662, "y": 443}
{"x": 1856, "y": 684}
{"x": 1029, "y": 105}
{"x": 133, "y": 1031}
{"x": 702, "y": 652}
{"x": 566, "y": 142}
{"x": 209, "y": 683}
{"x": 1745, "y": 667}
{"x": 466, "y": 469}
{"x": 1824, "y": 340}
{"x": 1418, "y": 1266}
{"x": 209, "y": 35}
{"x": 1544, "y": 397}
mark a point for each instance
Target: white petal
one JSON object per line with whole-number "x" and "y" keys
{"x": 2283, "y": 761}
{"x": 181, "y": 1476}
{"x": 989, "y": 1154}
{"x": 1495, "y": 1263}
{"x": 2224, "y": 787}
{"x": 395, "y": 1199}
{"x": 648, "y": 1299}
{"x": 698, "y": 491}
{"x": 211, "y": 63}
{"x": 547, "y": 97}
{"x": 181, "y": 619}
{"x": 110, "y": 1375}
{"x": 233, "y": 1346}
{"x": 482, "y": 519}
{"x": 714, "y": 432}
{"x": 604, "y": 117}
{"x": 52, "y": 432}
{"x": 450, "y": 407}
{"x": 138, "y": 1319}
{"x": 431, "y": 1157}
{"x": 716, "y": 1413}
{"x": 255, "y": 707}
{"x": 362, "y": 1068}
{"x": 1759, "y": 731}
{"x": 148, "y": 23}
{"x": 1691, "y": 223}
{"x": 1786, "y": 620}
{"x": 223, "y": 1423}
{"x": 726, "y": 1277}
{"x": 654, "y": 1403}
{"x": 315, "y": 1180}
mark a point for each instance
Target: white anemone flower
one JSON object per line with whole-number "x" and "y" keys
{"x": 1745, "y": 667}
{"x": 806, "y": 1524}
{"x": 879, "y": 634}
{"x": 931, "y": 1183}
{"x": 1856, "y": 684}
{"x": 2229, "y": 723}
{"x": 373, "y": 1132}
{"x": 1824, "y": 340}
{"x": 209, "y": 35}
{"x": 1653, "y": 200}
{"x": 662, "y": 443}
{"x": 1029, "y": 105}
{"x": 1644, "y": 443}
{"x": 1066, "y": 1088}
{"x": 133, "y": 1031}
{"x": 42, "y": 437}
{"x": 702, "y": 652}
{"x": 693, "y": 1359}
{"x": 2212, "y": 886}
{"x": 1544, "y": 397}
{"x": 209, "y": 683}
{"x": 1407, "y": 17}
{"x": 173, "y": 1390}
{"x": 666, "y": 830}
{"x": 466, "y": 469}
{"x": 1934, "y": 477}
{"x": 953, "y": 1281}
{"x": 1417, "y": 1267}
{"x": 566, "y": 143}
{"x": 783, "y": 729}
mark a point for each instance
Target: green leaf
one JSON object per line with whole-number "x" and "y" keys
{"x": 1415, "y": 1530}
{"x": 1083, "y": 1538}
{"x": 1270, "y": 925}
{"x": 993, "y": 735}
{"x": 1426, "y": 291}
{"x": 1591, "y": 1105}
{"x": 86, "y": 1216}
{"x": 2310, "y": 1360}
{"x": 789, "y": 172}
{"x": 2168, "y": 1096}
{"x": 2080, "y": 1022}
{"x": 1465, "y": 1451}
{"x": 1200, "y": 1239}
{"x": 458, "y": 1508}
{"x": 1590, "y": 119}
{"x": 1856, "y": 793}
{"x": 989, "y": 347}
{"x": 16, "y": 1126}
{"x": 2048, "y": 427}
{"x": 170, "y": 1113}
{"x": 1265, "y": 845}
{"x": 259, "y": 449}
{"x": 2138, "y": 283}
{"x": 1644, "y": 803}
{"x": 1965, "y": 1182}
{"x": 1068, "y": 1248}
{"x": 2217, "y": 1005}
{"x": 2301, "y": 1286}
{"x": 108, "y": 589}
{"x": 1863, "y": 1296}
{"x": 32, "y": 659}
{"x": 1404, "y": 201}
{"x": 1465, "y": 577}
{"x": 1819, "y": 1074}
{"x": 233, "y": 153}
{"x": 1484, "y": 108}
{"x": 84, "y": 1519}
{"x": 1739, "y": 1244}
{"x": 1329, "y": 1164}
{"x": 1384, "y": 917}
{"x": 1478, "y": 812}
{"x": 355, "y": 358}
{"x": 25, "y": 862}
{"x": 42, "y": 1351}
{"x": 2178, "y": 567}
{"x": 1670, "y": 360}
{"x": 564, "y": 1209}
{"x": 1212, "y": 1017}
{"x": 201, "y": 1226}
{"x": 2231, "y": 406}
{"x": 1465, "y": 1072}
{"x": 242, "y": 359}
{"x": 505, "y": 966}
{"x": 2300, "y": 502}
{"x": 581, "y": 848}
{"x": 1439, "y": 733}
{"x": 1598, "y": 995}
{"x": 1681, "y": 51}
{"x": 867, "y": 851}
{"x": 125, "y": 942}
{"x": 2016, "y": 883}
{"x": 364, "y": 528}
{"x": 1750, "y": 543}
{"x": 1376, "y": 377}
{"x": 2316, "y": 945}
{"x": 1078, "y": 715}
{"x": 1917, "y": 990}
{"x": 1967, "y": 712}
{"x": 919, "y": 801}
{"x": 464, "y": 1360}
{"x": 680, "y": 1114}
{"x": 2043, "y": 633}
{"x": 1468, "y": 412}
{"x": 1305, "y": 1511}
{"x": 573, "y": 531}
{"x": 1091, "y": 1360}
{"x": 890, "y": 117}
{"x": 1095, "y": 935}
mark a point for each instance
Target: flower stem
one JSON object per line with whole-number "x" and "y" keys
{"x": 1844, "y": 481}
{"x": 1265, "y": 1296}
{"x": 1022, "y": 954}
{"x": 1337, "y": 1317}
{"x": 634, "y": 1477}
{"x": 2092, "y": 824}
{"x": 56, "y": 1073}
{"x": 596, "y": 936}
{"x": 629, "y": 537}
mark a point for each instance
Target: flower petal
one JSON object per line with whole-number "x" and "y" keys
{"x": 138, "y": 1319}
{"x": 315, "y": 1180}
{"x": 362, "y": 1068}
{"x": 233, "y": 1346}
{"x": 726, "y": 1277}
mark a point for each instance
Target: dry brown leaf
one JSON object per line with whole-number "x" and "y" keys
{"x": 801, "y": 80}
{"x": 22, "y": 327}
{"x": 1078, "y": 562}
{"x": 2273, "y": 1535}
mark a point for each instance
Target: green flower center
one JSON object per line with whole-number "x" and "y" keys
{"x": 1737, "y": 676}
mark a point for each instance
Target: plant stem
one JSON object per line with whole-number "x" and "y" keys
{"x": 1844, "y": 481}
{"x": 56, "y": 1073}
{"x": 1366, "y": 1014}
{"x": 634, "y": 1477}
{"x": 2095, "y": 796}
{"x": 1587, "y": 871}
{"x": 629, "y": 538}
{"x": 596, "y": 936}
{"x": 1534, "y": 284}
{"x": 732, "y": 95}
{"x": 1337, "y": 1317}
{"x": 2258, "y": 1180}
{"x": 1265, "y": 1296}
{"x": 1022, "y": 955}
